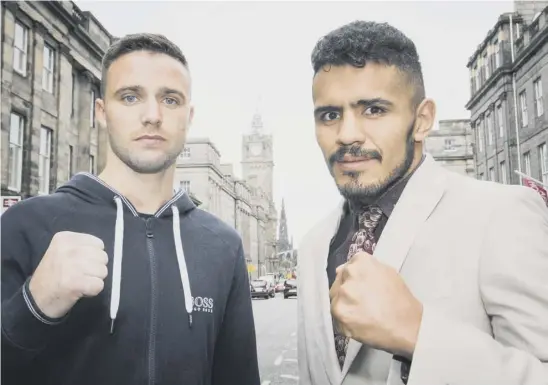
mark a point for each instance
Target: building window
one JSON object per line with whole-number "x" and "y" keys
{"x": 482, "y": 176}
{"x": 500, "y": 120}
{"x": 503, "y": 175}
{"x": 497, "y": 54}
{"x": 543, "y": 155}
{"x": 92, "y": 110}
{"x": 478, "y": 79}
{"x": 480, "y": 136}
{"x": 523, "y": 105}
{"x": 489, "y": 122}
{"x": 48, "y": 69}
{"x": 185, "y": 185}
{"x": 450, "y": 145}
{"x": 71, "y": 161}
{"x": 44, "y": 164}
{"x": 527, "y": 163}
{"x": 492, "y": 174}
{"x": 486, "y": 65}
{"x": 20, "y": 47}
{"x": 92, "y": 164}
{"x": 539, "y": 106}
{"x": 15, "y": 157}
{"x": 186, "y": 153}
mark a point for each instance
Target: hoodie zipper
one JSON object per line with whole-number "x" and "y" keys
{"x": 152, "y": 337}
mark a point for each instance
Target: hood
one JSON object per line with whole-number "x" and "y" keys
{"x": 91, "y": 189}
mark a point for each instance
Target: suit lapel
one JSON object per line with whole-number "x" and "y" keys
{"x": 421, "y": 195}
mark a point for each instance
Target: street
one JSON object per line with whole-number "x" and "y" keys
{"x": 276, "y": 325}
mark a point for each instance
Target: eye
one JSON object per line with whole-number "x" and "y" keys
{"x": 374, "y": 110}
{"x": 330, "y": 116}
{"x": 129, "y": 98}
{"x": 171, "y": 101}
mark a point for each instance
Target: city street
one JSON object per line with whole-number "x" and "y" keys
{"x": 276, "y": 325}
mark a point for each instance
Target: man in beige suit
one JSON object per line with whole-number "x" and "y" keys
{"x": 420, "y": 275}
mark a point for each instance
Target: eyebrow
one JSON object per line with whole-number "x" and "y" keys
{"x": 139, "y": 89}
{"x": 359, "y": 103}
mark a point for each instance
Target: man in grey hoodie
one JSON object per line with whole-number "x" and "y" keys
{"x": 112, "y": 279}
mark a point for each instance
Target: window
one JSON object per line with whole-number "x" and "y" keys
{"x": 523, "y": 104}
{"x": 44, "y": 164}
{"x": 92, "y": 110}
{"x": 48, "y": 68}
{"x": 74, "y": 81}
{"x": 15, "y": 157}
{"x": 186, "y": 153}
{"x": 481, "y": 176}
{"x": 71, "y": 161}
{"x": 480, "y": 136}
{"x": 20, "y": 47}
{"x": 527, "y": 163}
{"x": 486, "y": 65}
{"x": 539, "y": 107}
{"x": 492, "y": 174}
{"x": 185, "y": 185}
{"x": 92, "y": 164}
{"x": 497, "y": 54}
{"x": 489, "y": 121}
{"x": 478, "y": 79}
{"x": 450, "y": 145}
{"x": 503, "y": 175}
{"x": 543, "y": 155}
{"x": 500, "y": 120}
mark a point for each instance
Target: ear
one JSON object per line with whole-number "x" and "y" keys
{"x": 100, "y": 113}
{"x": 426, "y": 116}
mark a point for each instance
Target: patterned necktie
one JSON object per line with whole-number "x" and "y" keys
{"x": 363, "y": 240}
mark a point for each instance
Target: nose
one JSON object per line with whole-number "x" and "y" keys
{"x": 350, "y": 131}
{"x": 152, "y": 113}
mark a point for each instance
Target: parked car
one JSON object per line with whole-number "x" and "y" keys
{"x": 261, "y": 289}
{"x": 290, "y": 289}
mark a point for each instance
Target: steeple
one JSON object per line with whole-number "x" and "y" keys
{"x": 257, "y": 126}
{"x": 283, "y": 237}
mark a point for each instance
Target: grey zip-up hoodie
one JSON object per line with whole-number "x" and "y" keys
{"x": 175, "y": 309}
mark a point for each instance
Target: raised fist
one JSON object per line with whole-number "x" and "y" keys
{"x": 74, "y": 266}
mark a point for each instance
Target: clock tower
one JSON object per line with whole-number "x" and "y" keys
{"x": 257, "y": 157}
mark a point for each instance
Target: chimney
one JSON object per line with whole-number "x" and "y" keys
{"x": 528, "y": 9}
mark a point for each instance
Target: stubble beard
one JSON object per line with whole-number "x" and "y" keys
{"x": 358, "y": 194}
{"x": 144, "y": 166}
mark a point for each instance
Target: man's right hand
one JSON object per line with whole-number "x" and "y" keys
{"x": 74, "y": 266}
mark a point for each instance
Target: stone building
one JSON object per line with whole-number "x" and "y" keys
{"x": 51, "y": 71}
{"x": 451, "y": 146}
{"x": 508, "y": 75}
{"x": 245, "y": 204}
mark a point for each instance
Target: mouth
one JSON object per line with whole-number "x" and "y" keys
{"x": 350, "y": 163}
{"x": 150, "y": 138}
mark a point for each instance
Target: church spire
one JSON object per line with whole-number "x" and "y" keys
{"x": 283, "y": 236}
{"x": 257, "y": 122}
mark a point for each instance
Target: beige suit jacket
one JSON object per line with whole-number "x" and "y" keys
{"x": 476, "y": 255}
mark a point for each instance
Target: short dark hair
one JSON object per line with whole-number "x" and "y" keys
{"x": 360, "y": 42}
{"x": 139, "y": 42}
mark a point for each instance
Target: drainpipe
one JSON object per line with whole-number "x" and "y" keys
{"x": 518, "y": 144}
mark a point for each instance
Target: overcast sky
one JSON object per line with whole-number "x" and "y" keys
{"x": 240, "y": 51}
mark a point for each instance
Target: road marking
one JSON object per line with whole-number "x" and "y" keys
{"x": 267, "y": 382}
{"x": 290, "y": 377}
{"x": 290, "y": 360}
{"x": 278, "y": 360}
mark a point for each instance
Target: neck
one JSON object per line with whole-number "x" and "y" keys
{"x": 146, "y": 192}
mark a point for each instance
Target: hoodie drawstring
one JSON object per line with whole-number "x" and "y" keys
{"x": 182, "y": 263}
{"x": 117, "y": 262}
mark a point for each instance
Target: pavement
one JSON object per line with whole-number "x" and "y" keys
{"x": 276, "y": 327}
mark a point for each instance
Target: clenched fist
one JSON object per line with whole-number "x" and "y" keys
{"x": 372, "y": 304}
{"x": 74, "y": 266}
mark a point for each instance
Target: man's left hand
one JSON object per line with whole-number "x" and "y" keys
{"x": 372, "y": 304}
